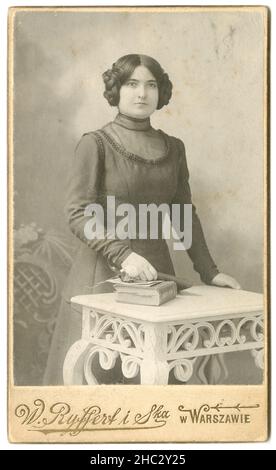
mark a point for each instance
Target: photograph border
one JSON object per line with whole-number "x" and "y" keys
{"x": 169, "y": 432}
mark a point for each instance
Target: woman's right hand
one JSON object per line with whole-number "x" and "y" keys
{"x": 138, "y": 267}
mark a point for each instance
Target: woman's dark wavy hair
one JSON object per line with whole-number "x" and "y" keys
{"x": 121, "y": 70}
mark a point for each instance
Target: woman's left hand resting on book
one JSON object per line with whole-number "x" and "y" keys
{"x": 223, "y": 280}
{"x": 138, "y": 267}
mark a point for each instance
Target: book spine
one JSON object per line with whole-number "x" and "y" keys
{"x": 136, "y": 299}
{"x": 168, "y": 293}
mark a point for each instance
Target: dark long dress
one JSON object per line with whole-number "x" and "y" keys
{"x": 153, "y": 169}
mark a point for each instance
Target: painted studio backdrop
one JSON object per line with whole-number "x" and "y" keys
{"x": 214, "y": 60}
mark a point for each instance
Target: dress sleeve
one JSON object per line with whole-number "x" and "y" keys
{"x": 198, "y": 253}
{"x": 83, "y": 190}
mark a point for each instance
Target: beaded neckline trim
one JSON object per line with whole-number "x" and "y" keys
{"x": 132, "y": 156}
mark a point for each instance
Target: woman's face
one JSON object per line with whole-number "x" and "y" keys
{"x": 139, "y": 94}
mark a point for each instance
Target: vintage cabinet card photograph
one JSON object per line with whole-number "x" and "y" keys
{"x": 138, "y": 224}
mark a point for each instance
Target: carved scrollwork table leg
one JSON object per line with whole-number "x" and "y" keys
{"x": 154, "y": 366}
{"x": 73, "y": 367}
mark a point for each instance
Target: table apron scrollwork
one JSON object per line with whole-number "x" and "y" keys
{"x": 157, "y": 348}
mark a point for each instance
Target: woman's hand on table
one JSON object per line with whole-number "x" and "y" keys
{"x": 223, "y": 280}
{"x": 138, "y": 267}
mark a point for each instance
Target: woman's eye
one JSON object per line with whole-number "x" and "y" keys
{"x": 135, "y": 84}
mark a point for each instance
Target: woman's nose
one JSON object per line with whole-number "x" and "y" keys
{"x": 142, "y": 91}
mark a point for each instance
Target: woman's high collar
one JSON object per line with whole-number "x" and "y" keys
{"x": 131, "y": 123}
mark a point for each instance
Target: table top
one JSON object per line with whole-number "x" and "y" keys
{"x": 197, "y": 302}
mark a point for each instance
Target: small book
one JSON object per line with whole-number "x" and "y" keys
{"x": 157, "y": 294}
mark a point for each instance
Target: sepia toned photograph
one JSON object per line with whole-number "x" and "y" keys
{"x": 138, "y": 220}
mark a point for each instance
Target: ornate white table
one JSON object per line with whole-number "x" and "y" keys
{"x": 193, "y": 331}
